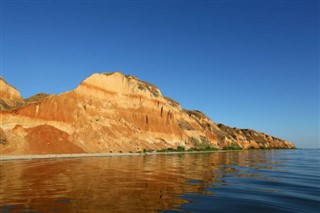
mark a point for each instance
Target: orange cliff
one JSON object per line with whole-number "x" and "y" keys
{"x": 9, "y": 96}
{"x": 111, "y": 112}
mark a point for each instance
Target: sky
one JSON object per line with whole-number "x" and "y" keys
{"x": 247, "y": 64}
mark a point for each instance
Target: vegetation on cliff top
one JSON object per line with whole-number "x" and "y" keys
{"x": 36, "y": 98}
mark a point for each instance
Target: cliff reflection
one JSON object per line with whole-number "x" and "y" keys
{"x": 117, "y": 184}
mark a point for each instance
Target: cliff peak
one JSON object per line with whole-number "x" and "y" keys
{"x": 118, "y": 83}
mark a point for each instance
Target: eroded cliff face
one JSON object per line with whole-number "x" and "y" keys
{"x": 9, "y": 96}
{"x": 111, "y": 112}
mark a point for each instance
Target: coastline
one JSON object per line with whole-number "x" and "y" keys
{"x": 86, "y": 155}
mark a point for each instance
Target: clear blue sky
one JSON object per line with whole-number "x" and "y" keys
{"x": 247, "y": 64}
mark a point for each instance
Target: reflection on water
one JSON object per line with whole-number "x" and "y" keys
{"x": 153, "y": 183}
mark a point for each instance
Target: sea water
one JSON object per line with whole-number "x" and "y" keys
{"x": 235, "y": 181}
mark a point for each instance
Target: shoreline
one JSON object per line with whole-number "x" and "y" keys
{"x": 87, "y": 155}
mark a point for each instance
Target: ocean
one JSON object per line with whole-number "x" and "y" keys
{"x": 233, "y": 181}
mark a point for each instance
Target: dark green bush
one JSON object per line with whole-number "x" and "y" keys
{"x": 181, "y": 149}
{"x": 232, "y": 147}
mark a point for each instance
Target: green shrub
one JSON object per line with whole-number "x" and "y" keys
{"x": 181, "y": 149}
{"x": 210, "y": 148}
{"x": 203, "y": 148}
{"x": 233, "y": 146}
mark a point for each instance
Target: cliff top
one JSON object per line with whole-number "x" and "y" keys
{"x": 117, "y": 82}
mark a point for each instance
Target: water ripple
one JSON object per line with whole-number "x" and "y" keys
{"x": 245, "y": 181}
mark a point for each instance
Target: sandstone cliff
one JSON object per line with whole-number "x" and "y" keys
{"x": 9, "y": 96}
{"x": 111, "y": 112}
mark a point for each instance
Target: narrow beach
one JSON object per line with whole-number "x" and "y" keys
{"x": 82, "y": 155}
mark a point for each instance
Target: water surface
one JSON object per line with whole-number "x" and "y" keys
{"x": 244, "y": 181}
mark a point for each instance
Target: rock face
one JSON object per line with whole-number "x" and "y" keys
{"x": 111, "y": 112}
{"x": 9, "y": 96}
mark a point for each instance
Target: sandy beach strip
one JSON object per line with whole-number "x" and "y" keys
{"x": 47, "y": 156}
{"x": 84, "y": 155}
